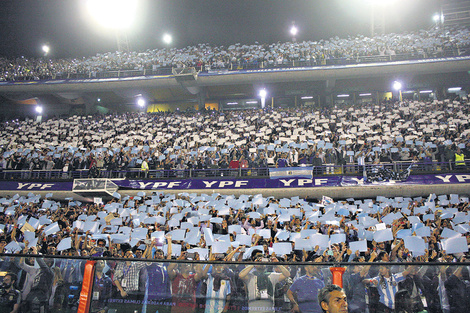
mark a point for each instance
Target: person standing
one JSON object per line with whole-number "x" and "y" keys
{"x": 303, "y": 293}
{"x": 260, "y": 284}
{"x": 9, "y": 297}
{"x": 102, "y": 289}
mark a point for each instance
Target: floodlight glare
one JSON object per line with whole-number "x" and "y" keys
{"x": 294, "y": 30}
{"x": 39, "y": 109}
{"x": 141, "y": 102}
{"x": 46, "y": 49}
{"x": 263, "y": 93}
{"x": 167, "y": 39}
{"x": 397, "y": 85}
{"x": 454, "y": 89}
{"x": 436, "y": 18}
{"x": 115, "y": 14}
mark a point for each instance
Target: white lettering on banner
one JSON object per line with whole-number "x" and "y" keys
{"x": 21, "y": 185}
{"x": 159, "y": 184}
{"x": 360, "y": 181}
{"x": 320, "y": 181}
{"x": 208, "y": 183}
{"x": 286, "y": 182}
{"x": 143, "y": 185}
{"x": 445, "y": 179}
{"x": 240, "y": 183}
{"x": 34, "y": 186}
{"x": 174, "y": 184}
{"x": 304, "y": 181}
{"x": 462, "y": 178}
{"x": 225, "y": 183}
{"x": 44, "y": 186}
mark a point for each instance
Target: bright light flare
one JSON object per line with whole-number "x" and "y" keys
{"x": 397, "y": 85}
{"x": 39, "y": 109}
{"x": 294, "y": 30}
{"x": 114, "y": 14}
{"x": 167, "y": 38}
{"x": 45, "y": 49}
{"x": 141, "y": 102}
{"x": 263, "y": 93}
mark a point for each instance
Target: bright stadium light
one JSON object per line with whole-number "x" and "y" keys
{"x": 294, "y": 30}
{"x": 113, "y": 14}
{"x": 263, "y": 93}
{"x": 397, "y": 85}
{"x": 167, "y": 38}
{"x": 436, "y": 18}
{"x": 140, "y": 102}
{"x": 39, "y": 109}
{"x": 45, "y": 49}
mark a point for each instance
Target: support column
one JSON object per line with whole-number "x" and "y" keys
{"x": 337, "y": 275}
{"x": 201, "y": 99}
{"x": 87, "y": 287}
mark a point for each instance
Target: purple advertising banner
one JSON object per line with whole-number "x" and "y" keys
{"x": 240, "y": 183}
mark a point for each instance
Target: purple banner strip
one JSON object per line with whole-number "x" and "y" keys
{"x": 209, "y": 184}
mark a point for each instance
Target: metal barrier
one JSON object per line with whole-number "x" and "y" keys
{"x": 137, "y": 173}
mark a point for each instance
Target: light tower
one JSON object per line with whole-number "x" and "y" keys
{"x": 115, "y": 15}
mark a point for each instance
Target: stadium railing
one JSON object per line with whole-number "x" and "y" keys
{"x": 90, "y": 291}
{"x": 325, "y": 169}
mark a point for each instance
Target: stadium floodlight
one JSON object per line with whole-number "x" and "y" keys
{"x": 454, "y": 89}
{"x": 294, "y": 30}
{"x": 39, "y": 109}
{"x": 365, "y": 94}
{"x": 113, "y": 14}
{"x": 425, "y": 91}
{"x": 343, "y": 95}
{"x": 436, "y": 17}
{"x": 167, "y": 38}
{"x": 263, "y": 93}
{"x": 141, "y": 102}
{"x": 46, "y": 49}
{"x": 397, "y": 85}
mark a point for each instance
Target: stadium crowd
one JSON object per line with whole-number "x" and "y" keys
{"x": 214, "y": 227}
{"x": 429, "y": 133}
{"x": 432, "y": 43}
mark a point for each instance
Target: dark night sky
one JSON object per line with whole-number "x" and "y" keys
{"x": 26, "y": 24}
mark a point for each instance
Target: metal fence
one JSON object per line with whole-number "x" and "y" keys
{"x": 325, "y": 169}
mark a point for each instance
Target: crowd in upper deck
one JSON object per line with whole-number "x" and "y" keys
{"x": 432, "y": 43}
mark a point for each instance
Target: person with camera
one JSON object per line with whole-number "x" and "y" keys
{"x": 9, "y": 297}
{"x": 260, "y": 282}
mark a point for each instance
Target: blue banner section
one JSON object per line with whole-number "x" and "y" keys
{"x": 240, "y": 183}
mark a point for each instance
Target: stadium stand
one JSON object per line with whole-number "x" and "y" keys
{"x": 187, "y": 252}
{"x": 430, "y": 135}
{"x": 434, "y": 43}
